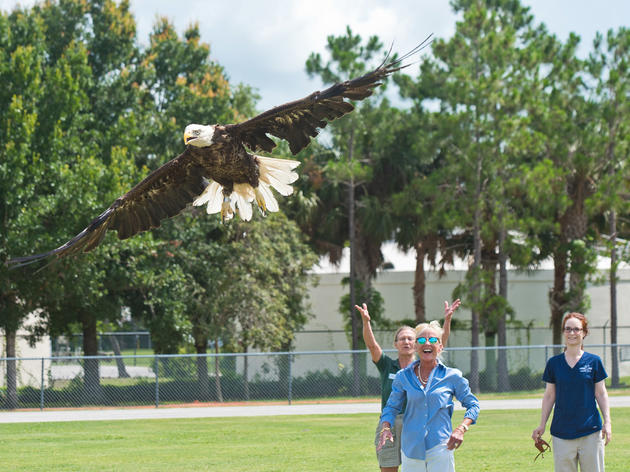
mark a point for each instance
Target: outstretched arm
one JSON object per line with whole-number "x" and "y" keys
{"x": 368, "y": 336}
{"x": 448, "y": 314}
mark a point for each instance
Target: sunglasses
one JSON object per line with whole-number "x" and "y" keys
{"x": 423, "y": 340}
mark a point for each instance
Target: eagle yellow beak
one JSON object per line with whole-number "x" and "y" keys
{"x": 187, "y": 137}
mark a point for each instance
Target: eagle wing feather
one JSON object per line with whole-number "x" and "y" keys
{"x": 300, "y": 120}
{"x": 164, "y": 193}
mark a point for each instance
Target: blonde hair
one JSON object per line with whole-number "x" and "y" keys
{"x": 434, "y": 325}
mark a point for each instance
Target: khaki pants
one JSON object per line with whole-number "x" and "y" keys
{"x": 587, "y": 450}
{"x": 389, "y": 455}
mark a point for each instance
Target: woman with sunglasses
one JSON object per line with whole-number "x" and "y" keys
{"x": 575, "y": 383}
{"x": 404, "y": 341}
{"x": 428, "y": 387}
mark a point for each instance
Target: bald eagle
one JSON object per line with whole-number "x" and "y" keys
{"x": 219, "y": 167}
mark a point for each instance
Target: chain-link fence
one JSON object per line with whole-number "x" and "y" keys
{"x": 71, "y": 381}
{"x": 109, "y": 342}
{"x": 139, "y": 342}
{"x": 331, "y": 339}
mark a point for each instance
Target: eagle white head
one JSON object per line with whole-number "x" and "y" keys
{"x": 198, "y": 135}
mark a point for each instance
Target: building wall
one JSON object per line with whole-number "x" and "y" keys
{"x": 527, "y": 294}
{"x": 29, "y": 372}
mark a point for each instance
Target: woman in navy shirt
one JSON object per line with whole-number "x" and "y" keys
{"x": 575, "y": 383}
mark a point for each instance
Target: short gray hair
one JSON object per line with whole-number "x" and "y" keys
{"x": 402, "y": 328}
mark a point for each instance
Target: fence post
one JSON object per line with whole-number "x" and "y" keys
{"x": 290, "y": 356}
{"x": 604, "y": 336}
{"x": 135, "y": 349}
{"x": 157, "y": 384}
{"x": 41, "y": 392}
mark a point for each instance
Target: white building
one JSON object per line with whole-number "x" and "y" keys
{"x": 29, "y": 372}
{"x": 527, "y": 294}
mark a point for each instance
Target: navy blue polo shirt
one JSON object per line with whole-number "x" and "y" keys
{"x": 575, "y": 413}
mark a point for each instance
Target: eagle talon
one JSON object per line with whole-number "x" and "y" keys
{"x": 260, "y": 201}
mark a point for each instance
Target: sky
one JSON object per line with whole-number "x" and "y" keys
{"x": 265, "y": 44}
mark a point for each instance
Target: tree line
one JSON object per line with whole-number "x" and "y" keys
{"x": 87, "y": 113}
{"x": 508, "y": 149}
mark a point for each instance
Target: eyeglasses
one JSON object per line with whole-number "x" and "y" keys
{"x": 423, "y": 340}
{"x": 568, "y": 330}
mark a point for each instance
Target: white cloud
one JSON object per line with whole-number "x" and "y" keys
{"x": 266, "y": 44}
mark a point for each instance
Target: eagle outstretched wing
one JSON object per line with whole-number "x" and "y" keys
{"x": 169, "y": 189}
{"x": 299, "y": 121}
{"x": 162, "y": 194}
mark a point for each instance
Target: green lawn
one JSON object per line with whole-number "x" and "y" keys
{"x": 499, "y": 442}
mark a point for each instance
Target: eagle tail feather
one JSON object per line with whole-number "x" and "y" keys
{"x": 269, "y": 202}
{"x": 213, "y": 196}
{"x": 242, "y": 196}
{"x": 278, "y": 173}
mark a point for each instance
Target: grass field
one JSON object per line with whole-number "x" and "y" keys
{"x": 499, "y": 442}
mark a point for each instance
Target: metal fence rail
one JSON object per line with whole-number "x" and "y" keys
{"x": 73, "y": 381}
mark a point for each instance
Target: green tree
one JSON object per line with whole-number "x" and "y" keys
{"x": 608, "y": 66}
{"x": 478, "y": 77}
{"x": 79, "y": 154}
{"x": 181, "y": 83}
{"x": 247, "y": 287}
{"x": 564, "y": 182}
{"x": 41, "y": 103}
{"x": 357, "y": 176}
{"x": 214, "y": 307}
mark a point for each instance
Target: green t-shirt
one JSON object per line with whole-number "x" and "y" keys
{"x": 387, "y": 367}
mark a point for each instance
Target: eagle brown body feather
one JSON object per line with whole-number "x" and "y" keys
{"x": 166, "y": 191}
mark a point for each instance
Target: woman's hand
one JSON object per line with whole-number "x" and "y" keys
{"x": 456, "y": 439}
{"x": 386, "y": 435}
{"x": 364, "y": 312}
{"x": 449, "y": 310}
{"x": 538, "y": 432}
{"x": 606, "y": 433}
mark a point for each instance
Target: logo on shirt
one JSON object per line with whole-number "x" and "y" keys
{"x": 586, "y": 369}
{"x": 392, "y": 376}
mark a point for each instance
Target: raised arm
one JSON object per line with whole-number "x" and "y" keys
{"x": 368, "y": 336}
{"x": 448, "y": 314}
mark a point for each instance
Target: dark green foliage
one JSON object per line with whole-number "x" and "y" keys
{"x": 86, "y": 114}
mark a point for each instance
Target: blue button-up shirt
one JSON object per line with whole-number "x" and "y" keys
{"x": 427, "y": 418}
